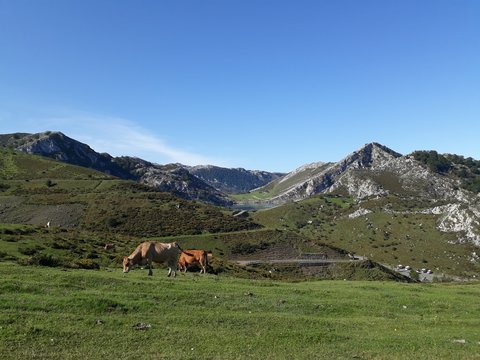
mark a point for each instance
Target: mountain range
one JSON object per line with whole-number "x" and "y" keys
{"x": 207, "y": 184}
{"x": 448, "y": 185}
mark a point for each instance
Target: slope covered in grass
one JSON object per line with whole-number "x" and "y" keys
{"x": 388, "y": 230}
{"x": 36, "y": 190}
{"x": 54, "y": 314}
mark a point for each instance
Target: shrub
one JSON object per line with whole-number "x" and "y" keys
{"x": 113, "y": 222}
{"x": 86, "y": 264}
{"x": 247, "y": 248}
{"x": 28, "y": 250}
{"x": 46, "y": 260}
{"x": 6, "y": 256}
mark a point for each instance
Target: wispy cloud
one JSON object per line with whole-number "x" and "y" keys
{"x": 119, "y": 136}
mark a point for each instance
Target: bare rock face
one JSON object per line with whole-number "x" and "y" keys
{"x": 333, "y": 176}
{"x": 176, "y": 179}
{"x": 461, "y": 218}
{"x": 235, "y": 181}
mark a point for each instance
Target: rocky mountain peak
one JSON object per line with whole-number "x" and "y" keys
{"x": 370, "y": 155}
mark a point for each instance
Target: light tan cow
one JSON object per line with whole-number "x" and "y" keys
{"x": 152, "y": 251}
{"x": 190, "y": 257}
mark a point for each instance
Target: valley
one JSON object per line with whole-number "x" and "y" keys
{"x": 388, "y": 208}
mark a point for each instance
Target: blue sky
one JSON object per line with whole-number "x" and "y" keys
{"x": 264, "y": 84}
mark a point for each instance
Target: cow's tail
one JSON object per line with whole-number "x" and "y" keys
{"x": 183, "y": 251}
{"x": 206, "y": 259}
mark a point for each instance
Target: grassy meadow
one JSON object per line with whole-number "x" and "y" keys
{"x": 50, "y": 313}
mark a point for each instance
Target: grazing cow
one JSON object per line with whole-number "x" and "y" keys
{"x": 109, "y": 247}
{"x": 150, "y": 251}
{"x": 190, "y": 257}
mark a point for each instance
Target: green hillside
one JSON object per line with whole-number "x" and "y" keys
{"x": 36, "y": 190}
{"x": 402, "y": 236}
{"x": 20, "y": 166}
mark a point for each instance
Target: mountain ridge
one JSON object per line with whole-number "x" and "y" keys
{"x": 188, "y": 182}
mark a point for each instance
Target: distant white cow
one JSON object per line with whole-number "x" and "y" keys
{"x": 48, "y": 225}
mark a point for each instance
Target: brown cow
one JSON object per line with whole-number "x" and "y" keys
{"x": 190, "y": 257}
{"x": 109, "y": 247}
{"x": 150, "y": 251}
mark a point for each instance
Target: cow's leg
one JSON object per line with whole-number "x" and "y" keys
{"x": 171, "y": 270}
{"x": 150, "y": 272}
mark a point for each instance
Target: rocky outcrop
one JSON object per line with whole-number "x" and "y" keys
{"x": 461, "y": 218}
{"x": 60, "y": 147}
{"x": 329, "y": 175}
{"x": 176, "y": 179}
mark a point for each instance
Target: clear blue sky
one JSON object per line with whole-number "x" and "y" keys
{"x": 264, "y": 84}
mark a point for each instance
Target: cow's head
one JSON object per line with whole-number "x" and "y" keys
{"x": 127, "y": 264}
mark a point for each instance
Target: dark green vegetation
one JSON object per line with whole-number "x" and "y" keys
{"x": 54, "y": 314}
{"x": 465, "y": 169}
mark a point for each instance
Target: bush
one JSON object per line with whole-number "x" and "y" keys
{"x": 113, "y": 222}
{"x": 46, "y": 260}
{"x": 4, "y": 187}
{"x": 6, "y": 256}
{"x": 247, "y": 248}
{"x": 28, "y": 250}
{"x": 86, "y": 264}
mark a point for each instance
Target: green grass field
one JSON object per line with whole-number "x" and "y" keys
{"x": 49, "y": 313}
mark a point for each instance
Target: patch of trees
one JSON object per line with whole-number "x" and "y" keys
{"x": 467, "y": 169}
{"x": 435, "y": 161}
